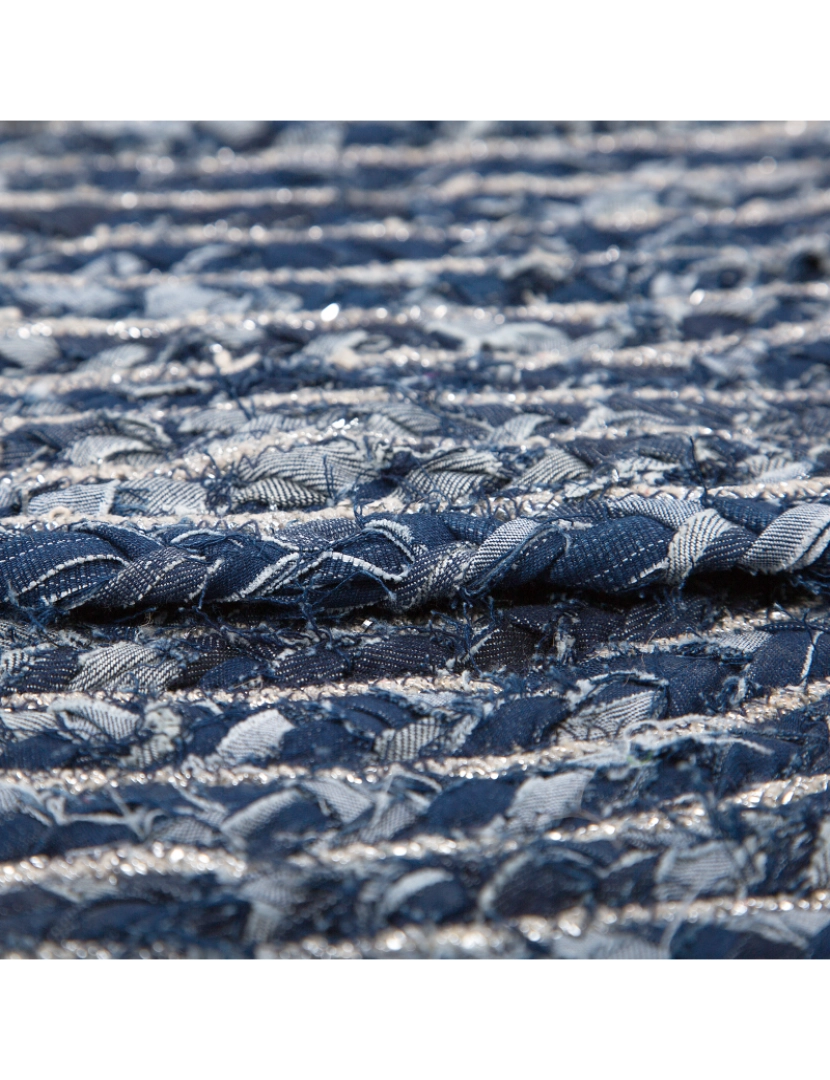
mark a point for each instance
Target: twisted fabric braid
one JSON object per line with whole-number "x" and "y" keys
{"x": 406, "y": 561}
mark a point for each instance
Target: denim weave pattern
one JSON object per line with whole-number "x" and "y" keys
{"x": 415, "y": 540}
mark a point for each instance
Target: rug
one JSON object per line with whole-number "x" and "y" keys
{"x": 415, "y": 540}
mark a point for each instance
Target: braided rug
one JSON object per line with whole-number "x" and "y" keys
{"x": 415, "y": 540}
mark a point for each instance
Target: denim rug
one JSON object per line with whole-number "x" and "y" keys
{"x": 415, "y": 540}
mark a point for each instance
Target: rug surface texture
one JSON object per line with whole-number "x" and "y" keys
{"x": 415, "y": 540}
